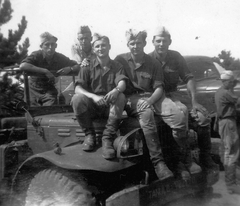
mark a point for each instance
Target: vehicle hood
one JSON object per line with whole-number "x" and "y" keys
{"x": 204, "y": 85}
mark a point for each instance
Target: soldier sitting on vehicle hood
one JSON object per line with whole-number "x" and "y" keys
{"x": 144, "y": 89}
{"x": 175, "y": 104}
{"x": 99, "y": 93}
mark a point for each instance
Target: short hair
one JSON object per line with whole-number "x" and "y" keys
{"x": 134, "y": 33}
{"x": 97, "y": 37}
{"x": 161, "y": 30}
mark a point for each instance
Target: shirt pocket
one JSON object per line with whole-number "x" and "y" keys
{"x": 110, "y": 81}
{"x": 145, "y": 80}
{"x": 173, "y": 76}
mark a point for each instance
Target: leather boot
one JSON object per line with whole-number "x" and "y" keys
{"x": 86, "y": 124}
{"x": 155, "y": 152}
{"x": 192, "y": 167}
{"x": 108, "y": 152}
{"x": 109, "y": 134}
{"x": 89, "y": 142}
{"x": 186, "y": 157}
{"x": 162, "y": 171}
{"x": 181, "y": 169}
{"x": 204, "y": 143}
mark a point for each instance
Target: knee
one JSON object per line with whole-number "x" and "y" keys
{"x": 201, "y": 119}
{"x": 78, "y": 101}
{"x": 147, "y": 118}
{"x": 147, "y": 114}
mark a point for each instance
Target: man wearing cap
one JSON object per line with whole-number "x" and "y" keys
{"x": 226, "y": 102}
{"x": 144, "y": 88}
{"x": 43, "y": 65}
{"x": 82, "y": 48}
{"x": 99, "y": 93}
{"x": 175, "y": 105}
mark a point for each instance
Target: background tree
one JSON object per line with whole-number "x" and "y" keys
{"x": 11, "y": 51}
{"x": 227, "y": 61}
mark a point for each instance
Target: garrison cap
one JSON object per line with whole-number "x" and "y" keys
{"x": 227, "y": 75}
{"x": 134, "y": 33}
{"x": 84, "y": 29}
{"x": 97, "y": 36}
{"x": 161, "y": 30}
{"x": 46, "y": 36}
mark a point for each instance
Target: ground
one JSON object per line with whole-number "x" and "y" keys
{"x": 216, "y": 196}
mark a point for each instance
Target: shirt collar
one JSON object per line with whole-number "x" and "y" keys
{"x": 157, "y": 56}
{"x": 129, "y": 58}
{"x": 53, "y": 59}
{"x": 96, "y": 63}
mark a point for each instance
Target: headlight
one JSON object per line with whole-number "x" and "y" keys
{"x": 125, "y": 146}
{"x": 129, "y": 145}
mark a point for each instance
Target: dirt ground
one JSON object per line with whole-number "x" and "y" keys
{"x": 216, "y": 196}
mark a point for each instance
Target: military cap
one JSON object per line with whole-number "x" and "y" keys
{"x": 97, "y": 36}
{"x": 134, "y": 33}
{"x": 161, "y": 30}
{"x": 46, "y": 36}
{"x": 84, "y": 30}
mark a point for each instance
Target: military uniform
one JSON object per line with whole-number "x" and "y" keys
{"x": 43, "y": 92}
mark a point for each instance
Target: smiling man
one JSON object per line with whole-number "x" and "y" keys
{"x": 175, "y": 105}
{"x": 43, "y": 66}
{"x": 145, "y": 87}
{"x": 98, "y": 94}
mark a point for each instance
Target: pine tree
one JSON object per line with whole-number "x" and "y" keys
{"x": 10, "y": 51}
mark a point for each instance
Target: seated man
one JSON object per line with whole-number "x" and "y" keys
{"x": 82, "y": 49}
{"x": 98, "y": 93}
{"x": 43, "y": 65}
{"x": 144, "y": 89}
{"x": 175, "y": 104}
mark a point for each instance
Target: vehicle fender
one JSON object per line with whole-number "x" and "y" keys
{"x": 73, "y": 157}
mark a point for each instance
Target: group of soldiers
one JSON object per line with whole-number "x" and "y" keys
{"x": 143, "y": 85}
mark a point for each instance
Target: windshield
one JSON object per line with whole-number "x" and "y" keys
{"x": 203, "y": 70}
{"x": 58, "y": 93}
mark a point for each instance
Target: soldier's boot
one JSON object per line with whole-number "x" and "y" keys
{"x": 182, "y": 171}
{"x": 186, "y": 157}
{"x": 109, "y": 134}
{"x": 162, "y": 171}
{"x": 86, "y": 124}
{"x": 230, "y": 179}
{"x": 155, "y": 152}
{"x": 192, "y": 166}
{"x": 204, "y": 143}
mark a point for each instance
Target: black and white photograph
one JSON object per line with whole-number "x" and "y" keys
{"x": 119, "y": 103}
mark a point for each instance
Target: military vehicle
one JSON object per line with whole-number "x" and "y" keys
{"x": 59, "y": 172}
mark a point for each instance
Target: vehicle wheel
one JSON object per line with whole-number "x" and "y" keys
{"x": 50, "y": 187}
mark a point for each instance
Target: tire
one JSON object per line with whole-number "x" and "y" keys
{"x": 50, "y": 187}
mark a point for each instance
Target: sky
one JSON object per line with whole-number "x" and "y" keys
{"x": 197, "y": 27}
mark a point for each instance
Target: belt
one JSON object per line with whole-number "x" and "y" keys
{"x": 139, "y": 92}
